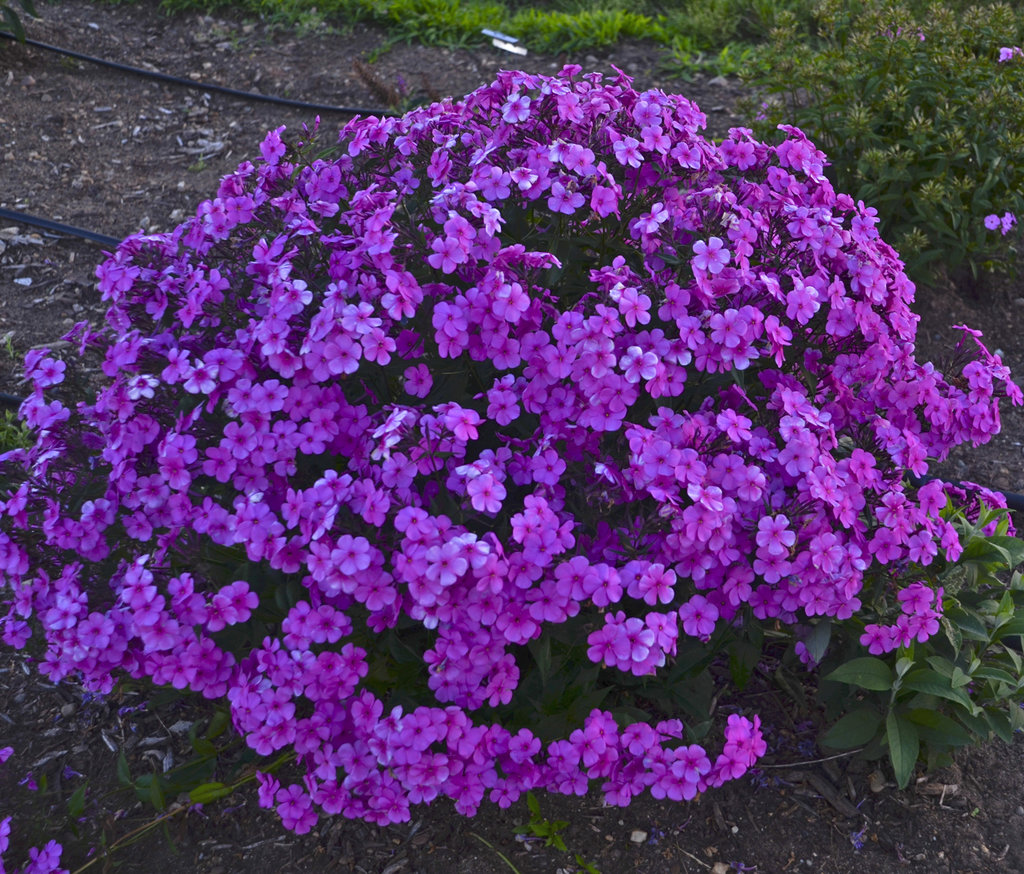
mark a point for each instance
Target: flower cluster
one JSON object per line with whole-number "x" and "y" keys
{"x": 1004, "y": 222}
{"x": 545, "y": 357}
{"x": 921, "y": 608}
{"x": 1008, "y": 53}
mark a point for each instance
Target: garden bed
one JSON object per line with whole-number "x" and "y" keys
{"x": 111, "y": 152}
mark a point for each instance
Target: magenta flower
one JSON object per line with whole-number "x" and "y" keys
{"x": 711, "y": 256}
{"x": 698, "y": 616}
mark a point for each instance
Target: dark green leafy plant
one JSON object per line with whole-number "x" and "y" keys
{"x": 539, "y": 826}
{"x": 963, "y": 685}
{"x": 11, "y": 22}
{"x": 918, "y": 118}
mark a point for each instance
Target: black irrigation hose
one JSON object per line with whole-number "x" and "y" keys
{"x": 57, "y": 227}
{"x": 201, "y": 86}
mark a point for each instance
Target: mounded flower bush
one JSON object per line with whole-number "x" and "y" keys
{"x": 423, "y": 448}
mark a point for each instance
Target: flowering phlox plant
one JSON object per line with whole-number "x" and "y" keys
{"x": 382, "y": 423}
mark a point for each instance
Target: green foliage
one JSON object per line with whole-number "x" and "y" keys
{"x": 686, "y": 59}
{"x": 550, "y": 831}
{"x": 917, "y": 117}
{"x": 216, "y": 752}
{"x": 13, "y": 433}
{"x": 11, "y": 22}
{"x": 963, "y": 685}
{"x": 554, "y": 32}
{"x": 541, "y": 827}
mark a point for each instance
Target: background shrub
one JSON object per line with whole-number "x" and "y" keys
{"x": 918, "y": 117}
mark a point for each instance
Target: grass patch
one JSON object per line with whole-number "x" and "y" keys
{"x": 704, "y": 27}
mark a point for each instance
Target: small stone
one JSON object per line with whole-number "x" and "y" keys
{"x": 719, "y": 82}
{"x": 638, "y": 836}
{"x": 68, "y": 709}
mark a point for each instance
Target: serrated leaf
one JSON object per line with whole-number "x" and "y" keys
{"x": 867, "y": 672}
{"x": 853, "y": 730}
{"x": 904, "y": 746}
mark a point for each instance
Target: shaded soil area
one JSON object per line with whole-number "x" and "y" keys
{"x": 112, "y": 152}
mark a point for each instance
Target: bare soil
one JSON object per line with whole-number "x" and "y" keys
{"x": 113, "y": 152}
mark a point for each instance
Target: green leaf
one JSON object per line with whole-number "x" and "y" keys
{"x": 124, "y": 774}
{"x": 533, "y": 804}
{"x": 540, "y": 649}
{"x": 29, "y": 8}
{"x": 207, "y": 792}
{"x": 218, "y": 724}
{"x": 14, "y": 24}
{"x": 76, "y": 803}
{"x": 1000, "y": 723}
{"x": 1016, "y": 716}
{"x": 817, "y": 641}
{"x": 998, "y": 674}
{"x": 904, "y": 746}
{"x": 1013, "y": 628}
{"x": 953, "y": 634}
{"x": 1012, "y": 547}
{"x": 156, "y": 792}
{"x": 959, "y": 678}
{"x": 853, "y": 730}
{"x": 976, "y": 724}
{"x": 931, "y": 683}
{"x": 985, "y": 551}
{"x": 968, "y": 623}
{"x": 204, "y": 747}
{"x": 743, "y": 659}
{"x": 867, "y": 672}
{"x": 937, "y": 729}
{"x": 941, "y": 665}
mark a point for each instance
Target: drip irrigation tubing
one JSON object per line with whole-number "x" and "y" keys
{"x": 58, "y": 228}
{"x": 199, "y": 86}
